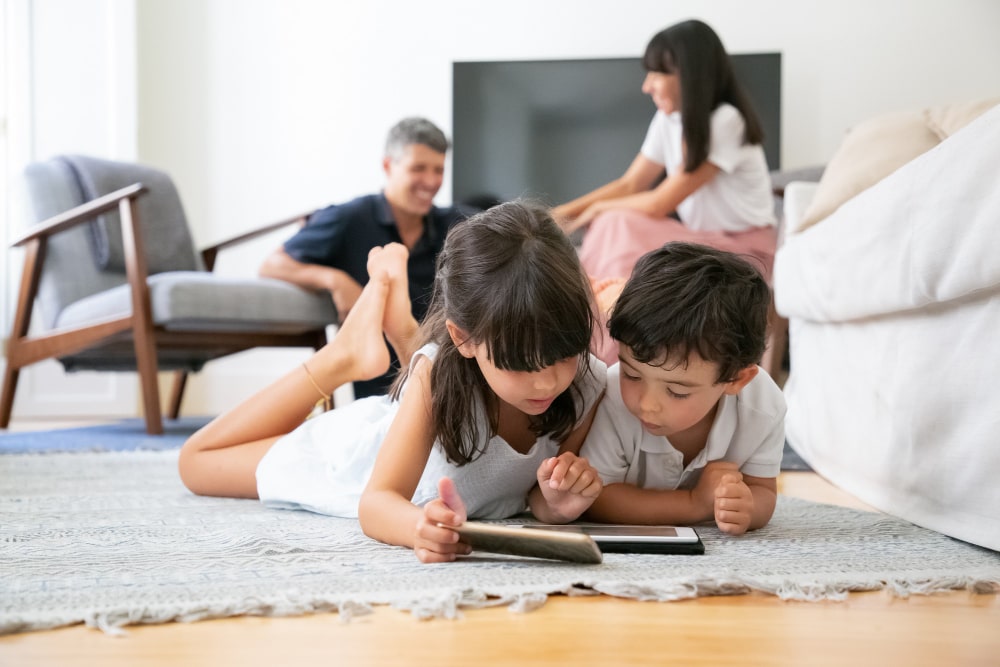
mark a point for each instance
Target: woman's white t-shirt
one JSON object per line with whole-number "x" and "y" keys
{"x": 739, "y": 197}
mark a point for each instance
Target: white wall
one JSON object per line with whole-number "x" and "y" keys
{"x": 71, "y": 88}
{"x": 264, "y": 107}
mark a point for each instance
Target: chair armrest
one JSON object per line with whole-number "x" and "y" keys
{"x": 209, "y": 253}
{"x": 78, "y": 214}
{"x": 780, "y": 179}
{"x": 798, "y": 195}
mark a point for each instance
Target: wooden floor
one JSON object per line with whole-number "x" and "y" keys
{"x": 958, "y": 628}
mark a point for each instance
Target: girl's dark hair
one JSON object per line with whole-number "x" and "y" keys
{"x": 686, "y": 297}
{"x": 510, "y": 279}
{"x": 693, "y": 51}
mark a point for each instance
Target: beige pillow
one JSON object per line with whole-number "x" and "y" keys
{"x": 946, "y": 121}
{"x": 871, "y": 151}
{"x": 879, "y": 146}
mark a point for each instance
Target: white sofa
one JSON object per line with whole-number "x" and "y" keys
{"x": 893, "y": 303}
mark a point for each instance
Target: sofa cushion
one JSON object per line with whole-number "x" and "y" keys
{"x": 878, "y": 146}
{"x": 199, "y": 301}
{"x": 926, "y": 234}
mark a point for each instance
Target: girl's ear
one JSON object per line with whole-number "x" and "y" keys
{"x": 460, "y": 339}
{"x": 742, "y": 379}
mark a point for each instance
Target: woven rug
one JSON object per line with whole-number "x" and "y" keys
{"x": 130, "y": 434}
{"x": 112, "y": 539}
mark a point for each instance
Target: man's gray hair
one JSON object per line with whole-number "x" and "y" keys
{"x": 411, "y": 131}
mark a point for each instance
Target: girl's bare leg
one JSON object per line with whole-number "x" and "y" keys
{"x": 221, "y": 458}
{"x": 397, "y": 322}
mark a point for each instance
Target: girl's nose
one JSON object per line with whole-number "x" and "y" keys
{"x": 647, "y": 85}
{"x": 546, "y": 379}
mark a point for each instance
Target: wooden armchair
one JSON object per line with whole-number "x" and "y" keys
{"x": 119, "y": 285}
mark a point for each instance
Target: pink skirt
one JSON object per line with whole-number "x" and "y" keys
{"x": 617, "y": 239}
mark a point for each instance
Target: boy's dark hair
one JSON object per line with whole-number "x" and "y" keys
{"x": 509, "y": 278}
{"x": 693, "y": 51}
{"x": 685, "y": 297}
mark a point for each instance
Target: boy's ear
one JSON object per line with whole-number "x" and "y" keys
{"x": 743, "y": 378}
{"x": 460, "y": 339}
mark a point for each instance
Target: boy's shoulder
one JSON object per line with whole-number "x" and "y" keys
{"x": 763, "y": 395}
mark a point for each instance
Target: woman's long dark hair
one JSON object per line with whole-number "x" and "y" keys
{"x": 511, "y": 280}
{"x": 693, "y": 52}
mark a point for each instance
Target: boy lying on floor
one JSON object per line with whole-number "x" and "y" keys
{"x": 691, "y": 428}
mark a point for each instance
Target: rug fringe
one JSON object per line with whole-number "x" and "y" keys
{"x": 449, "y": 605}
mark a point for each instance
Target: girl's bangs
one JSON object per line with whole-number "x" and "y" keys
{"x": 539, "y": 341}
{"x": 657, "y": 58}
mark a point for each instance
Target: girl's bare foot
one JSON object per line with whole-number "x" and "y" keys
{"x": 606, "y": 293}
{"x": 397, "y": 322}
{"x": 358, "y": 351}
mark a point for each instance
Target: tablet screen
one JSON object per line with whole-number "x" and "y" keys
{"x": 623, "y": 533}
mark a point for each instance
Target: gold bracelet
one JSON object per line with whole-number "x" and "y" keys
{"x": 326, "y": 403}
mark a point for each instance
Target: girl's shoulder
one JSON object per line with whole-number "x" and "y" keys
{"x": 597, "y": 367}
{"x": 420, "y": 364}
{"x": 428, "y": 350}
{"x": 592, "y": 383}
{"x": 727, "y": 114}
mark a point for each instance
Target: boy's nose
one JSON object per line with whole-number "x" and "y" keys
{"x": 647, "y": 402}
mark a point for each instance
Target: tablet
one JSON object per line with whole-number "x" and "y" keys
{"x": 576, "y": 547}
{"x": 621, "y": 538}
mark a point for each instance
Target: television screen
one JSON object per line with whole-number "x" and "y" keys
{"x": 555, "y": 129}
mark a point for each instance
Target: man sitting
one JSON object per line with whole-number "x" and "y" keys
{"x": 331, "y": 251}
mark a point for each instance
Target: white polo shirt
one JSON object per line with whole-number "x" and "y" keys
{"x": 749, "y": 430}
{"x": 739, "y": 198}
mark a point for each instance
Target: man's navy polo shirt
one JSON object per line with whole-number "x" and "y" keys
{"x": 341, "y": 235}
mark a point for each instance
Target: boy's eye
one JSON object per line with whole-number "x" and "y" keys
{"x": 631, "y": 378}
{"x": 674, "y": 394}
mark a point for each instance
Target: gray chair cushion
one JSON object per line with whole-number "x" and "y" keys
{"x": 167, "y": 240}
{"x": 198, "y": 301}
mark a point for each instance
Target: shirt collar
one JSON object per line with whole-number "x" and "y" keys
{"x": 384, "y": 217}
{"x": 383, "y": 211}
{"x": 719, "y": 436}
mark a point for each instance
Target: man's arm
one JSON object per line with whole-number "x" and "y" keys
{"x": 344, "y": 289}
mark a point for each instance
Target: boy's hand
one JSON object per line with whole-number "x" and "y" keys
{"x": 569, "y": 484}
{"x": 435, "y": 542}
{"x": 711, "y": 476}
{"x": 733, "y": 505}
